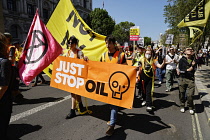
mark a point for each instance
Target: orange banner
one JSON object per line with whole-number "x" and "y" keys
{"x": 129, "y": 62}
{"x": 105, "y": 82}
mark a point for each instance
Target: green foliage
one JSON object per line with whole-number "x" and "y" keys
{"x": 101, "y": 22}
{"x": 147, "y": 41}
{"x": 122, "y": 31}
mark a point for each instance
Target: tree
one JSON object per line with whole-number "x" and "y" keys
{"x": 100, "y": 21}
{"x": 175, "y": 12}
{"x": 147, "y": 41}
{"x": 122, "y": 31}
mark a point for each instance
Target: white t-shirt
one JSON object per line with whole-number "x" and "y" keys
{"x": 171, "y": 65}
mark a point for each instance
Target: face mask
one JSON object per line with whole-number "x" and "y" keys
{"x": 147, "y": 56}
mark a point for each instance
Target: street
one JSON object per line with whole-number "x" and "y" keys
{"x": 42, "y": 114}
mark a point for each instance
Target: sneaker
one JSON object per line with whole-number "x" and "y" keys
{"x": 108, "y": 123}
{"x": 168, "y": 90}
{"x": 143, "y": 103}
{"x": 160, "y": 82}
{"x": 149, "y": 108}
{"x": 191, "y": 112}
{"x": 110, "y": 131}
{"x": 182, "y": 110}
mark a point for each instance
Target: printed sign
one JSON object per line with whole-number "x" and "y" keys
{"x": 141, "y": 41}
{"x": 169, "y": 39}
{"x": 134, "y": 33}
{"x": 105, "y": 82}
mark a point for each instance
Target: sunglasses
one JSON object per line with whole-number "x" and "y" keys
{"x": 70, "y": 43}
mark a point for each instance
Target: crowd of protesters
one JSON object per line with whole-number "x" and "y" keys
{"x": 150, "y": 64}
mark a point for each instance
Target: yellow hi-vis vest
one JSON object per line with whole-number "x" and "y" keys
{"x": 117, "y": 57}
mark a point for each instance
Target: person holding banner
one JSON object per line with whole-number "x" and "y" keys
{"x": 117, "y": 57}
{"x": 74, "y": 52}
{"x": 146, "y": 70}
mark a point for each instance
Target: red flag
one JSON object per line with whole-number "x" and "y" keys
{"x": 40, "y": 50}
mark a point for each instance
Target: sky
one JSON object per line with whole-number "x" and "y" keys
{"x": 147, "y": 14}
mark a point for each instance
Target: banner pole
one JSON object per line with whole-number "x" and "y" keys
{"x": 133, "y": 48}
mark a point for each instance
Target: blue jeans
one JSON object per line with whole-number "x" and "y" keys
{"x": 113, "y": 116}
{"x": 160, "y": 73}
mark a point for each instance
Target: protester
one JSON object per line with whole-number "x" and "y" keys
{"x": 129, "y": 52}
{"x": 187, "y": 67}
{"x": 6, "y": 79}
{"x": 13, "y": 54}
{"x": 74, "y": 52}
{"x": 138, "y": 54}
{"x": 200, "y": 59}
{"x": 119, "y": 47}
{"x": 18, "y": 51}
{"x": 135, "y": 62}
{"x": 207, "y": 58}
{"x": 147, "y": 68}
{"x": 112, "y": 56}
{"x": 160, "y": 72}
{"x": 171, "y": 60}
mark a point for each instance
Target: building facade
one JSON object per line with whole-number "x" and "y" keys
{"x": 16, "y": 15}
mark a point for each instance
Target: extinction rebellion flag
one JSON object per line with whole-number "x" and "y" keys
{"x": 40, "y": 50}
{"x": 198, "y": 16}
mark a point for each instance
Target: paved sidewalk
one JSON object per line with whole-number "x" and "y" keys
{"x": 202, "y": 82}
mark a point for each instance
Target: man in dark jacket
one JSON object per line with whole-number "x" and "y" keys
{"x": 187, "y": 67}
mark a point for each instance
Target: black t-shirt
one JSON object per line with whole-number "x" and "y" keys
{"x": 185, "y": 64}
{"x": 148, "y": 68}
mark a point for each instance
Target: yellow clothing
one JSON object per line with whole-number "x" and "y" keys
{"x": 18, "y": 53}
{"x": 117, "y": 58}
